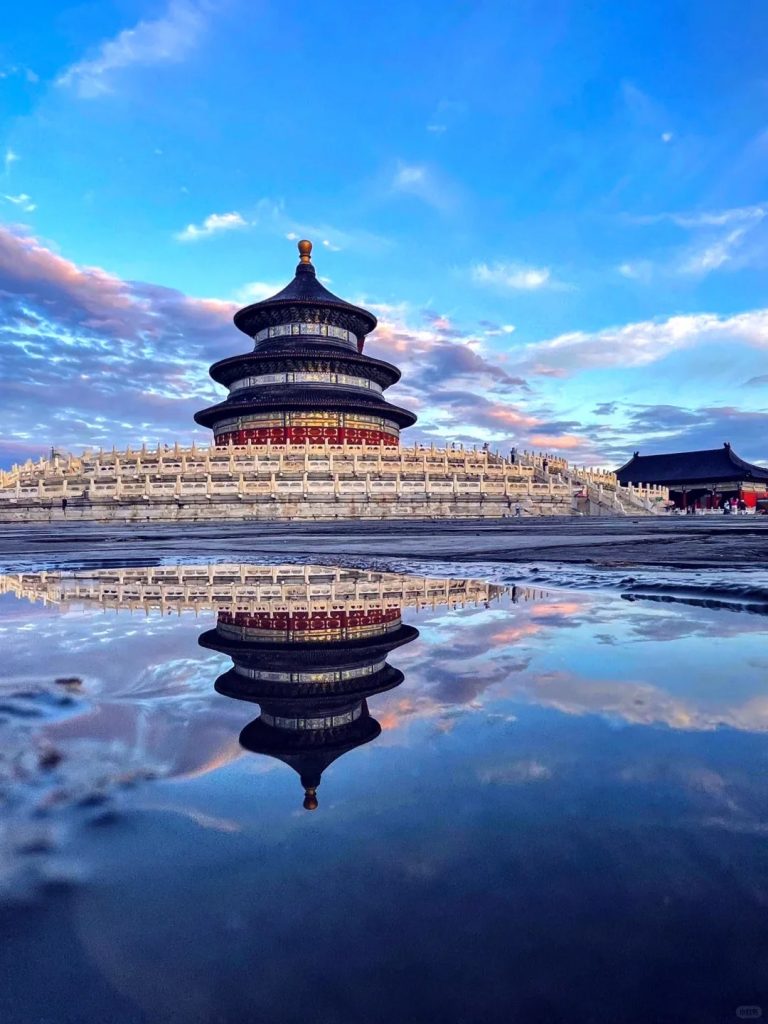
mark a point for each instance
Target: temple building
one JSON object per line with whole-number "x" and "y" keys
{"x": 307, "y": 379}
{"x": 306, "y": 433}
{"x": 702, "y": 479}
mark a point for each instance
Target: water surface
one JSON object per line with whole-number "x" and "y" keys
{"x": 292, "y": 793}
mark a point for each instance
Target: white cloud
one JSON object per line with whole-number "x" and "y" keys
{"x": 257, "y": 290}
{"x": 292, "y": 236}
{"x": 19, "y": 69}
{"x": 720, "y": 218}
{"x": 164, "y": 40}
{"x": 330, "y": 246}
{"x": 640, "y": 270}
{"x": 642, "y": 343}
{"x": 409, "y": 177}
{"x": 9, "y": 159}
{"x": 667, "y": 136}
{"x": 717, "y": 239}
{"x": 213, "y": 223}
{"x": 706, "y": 218}
{"x": 445, "y": 114}
{"x": 511, "y": 276}
{"x": 715, "y": 254}
{"x": 423, "y": 183}
{"x": 23, "y": 201}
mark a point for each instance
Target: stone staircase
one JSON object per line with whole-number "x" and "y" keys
{"x": 598, "y": 492}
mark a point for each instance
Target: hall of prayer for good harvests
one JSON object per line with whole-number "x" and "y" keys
{"x": 306, "y": 432}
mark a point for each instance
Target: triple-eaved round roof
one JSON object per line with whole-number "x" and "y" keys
{"x": 306, "y": 293}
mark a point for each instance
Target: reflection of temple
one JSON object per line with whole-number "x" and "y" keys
{"x": 312, "y": 656}
{"x": 312, "y": 671}
{"x": 309, "y": 643}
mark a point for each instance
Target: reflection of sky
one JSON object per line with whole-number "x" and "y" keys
{"x": 680, "y": 665}
{"x": 670, "y": 663}
{"x": 551, "y": 797}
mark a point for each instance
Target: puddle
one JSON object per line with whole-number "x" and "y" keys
{"x": 237, "y": 792}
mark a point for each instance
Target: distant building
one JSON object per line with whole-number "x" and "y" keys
{"x": 703, "y": 479}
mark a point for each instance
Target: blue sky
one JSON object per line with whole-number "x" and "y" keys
{"x": 557, "y": 211}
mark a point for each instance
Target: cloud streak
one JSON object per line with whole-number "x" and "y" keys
{"x": 165, "y": 40}
{"x": 644, "y": 342}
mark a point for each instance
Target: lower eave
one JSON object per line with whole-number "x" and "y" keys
{"x": 305, "y": 398}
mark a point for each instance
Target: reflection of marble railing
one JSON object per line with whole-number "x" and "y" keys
{"x": 251, "y": 588}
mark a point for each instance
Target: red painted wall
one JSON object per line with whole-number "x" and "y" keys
{"x": 300, "y": 435}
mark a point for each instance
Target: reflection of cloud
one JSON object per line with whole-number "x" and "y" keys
{"x": 639, "y": 703}
{"x": 557, "y": 609}
{"x": 206, "y": 821}
{"x": 520, "y": 654}
{"x": 515, "y": 773}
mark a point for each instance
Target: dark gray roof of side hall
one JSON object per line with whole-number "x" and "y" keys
{"x": 711, "y": 465}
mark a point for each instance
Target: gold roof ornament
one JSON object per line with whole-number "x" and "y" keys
{"x": 305, "y": 251}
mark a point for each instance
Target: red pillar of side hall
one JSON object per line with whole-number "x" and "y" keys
{"x": 307, "y": 379}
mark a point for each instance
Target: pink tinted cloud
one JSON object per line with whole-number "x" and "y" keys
{"x": 558, "y": 443}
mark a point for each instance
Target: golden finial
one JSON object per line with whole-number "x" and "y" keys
{"x": 310, "y": 798}
{"x": 305, "y": 251}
